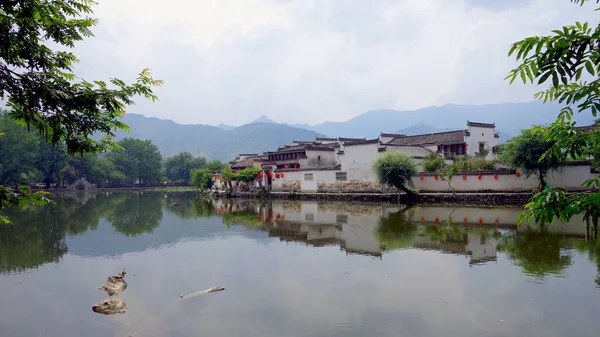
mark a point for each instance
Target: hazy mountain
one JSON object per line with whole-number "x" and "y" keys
{"x": 422, "y": 128}
{"x": 210, "y": 141}
{"x": 226, "y": 127}
{"x": 509, "y": 117}
{"x": 264, "y": 119}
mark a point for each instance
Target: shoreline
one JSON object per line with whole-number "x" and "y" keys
{"x": 459, "y": 198}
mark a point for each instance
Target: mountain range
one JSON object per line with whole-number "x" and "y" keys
{"x": 224, "y": 142}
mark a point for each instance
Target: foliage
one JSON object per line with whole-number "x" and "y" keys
{"x": 214, "y": 166}
{"x": 246, "y": 175}
{"x": 481, "y": 154}
{"x": 38, "y": 83}
{"x": 179, "y": 167}
{"x": 21, "y": 197}
{"x": 566, "y": 58}
{"x": 466, "y": 164}
{"x": 227, "y": 175}
{"x": 433, "y": 162}
{"x": 203, "y": 179}
{"x": 140, "y": 161}
{"x": 19, "y": 152}
{"x": 395, "y": 169}
{"x": 395, "y": 232}
{"x": 539, "y": 254}
{"x": 526, "y": 152}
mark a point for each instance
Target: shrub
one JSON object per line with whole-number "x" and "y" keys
{"x": 433, "y": 162}
{"x": 395, "y": 169}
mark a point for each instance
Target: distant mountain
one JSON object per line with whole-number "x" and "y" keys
{"x": 210, "y": 141}
{"x": 422, "y": 128}
{"x": 226, "y": 127}
{"x": 264, "y": 119}
{"x": 509, "y": 117}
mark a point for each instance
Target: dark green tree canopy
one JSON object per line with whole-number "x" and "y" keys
{"x": 527, "y": 152}
{"x": 396, "y": 169}
{"x": 140, "y": 161}
{"x": 179, "y": 167}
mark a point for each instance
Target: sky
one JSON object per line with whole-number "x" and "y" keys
{"x": 311, "y": 61}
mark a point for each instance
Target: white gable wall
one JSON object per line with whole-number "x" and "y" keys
{"x": 479, "y": 135}
{"x": 357, "y": 160}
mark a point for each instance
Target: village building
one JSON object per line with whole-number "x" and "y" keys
{"x": 328, "y": 164}
{"x": 477, "y": 138}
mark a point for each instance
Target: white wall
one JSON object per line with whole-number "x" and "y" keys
{"x": 357, "y": 160}
{"x": 481, "y": 135}
{"x": 327, "y": 158}
{"x": 319, "y": 176}
{"x": 569, "y": 178}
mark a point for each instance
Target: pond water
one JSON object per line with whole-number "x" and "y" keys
{"x": 293, "y": 269}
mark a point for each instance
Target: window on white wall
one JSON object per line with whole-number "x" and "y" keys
{"x": 308, "y": 177}
{"x": 481, "y": 147}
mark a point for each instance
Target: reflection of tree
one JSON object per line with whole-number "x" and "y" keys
{"x": 539, "y": 254}
{"x": 450, "y": 232}
{"x": 192, "y": 208}
{"x": 395, "y": 232}
{"x": 137, "y": 213}
{"x": 36, "y": 238}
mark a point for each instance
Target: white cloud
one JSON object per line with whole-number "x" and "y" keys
{"x": 229, "y": 61}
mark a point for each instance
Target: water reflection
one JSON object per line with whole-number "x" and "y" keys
{"x": 409, "y": 271}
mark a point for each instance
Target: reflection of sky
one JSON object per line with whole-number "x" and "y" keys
{"x": 288, "y": 289}
{"x": 275, "y": 288}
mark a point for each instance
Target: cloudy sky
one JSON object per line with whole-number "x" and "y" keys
{"x": 309, "y": 61}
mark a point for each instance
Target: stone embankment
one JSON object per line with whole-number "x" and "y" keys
{"x": 436, "y": 198}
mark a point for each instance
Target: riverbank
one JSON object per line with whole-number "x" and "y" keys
{"x": 520, "y": 198}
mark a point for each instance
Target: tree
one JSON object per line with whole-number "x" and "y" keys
{"x": 396, "y": 169}
{"x": 562, "y": 58}
{"x": 214, "y": 166}
{"x": 203, "y": 179}
{"x": 43, "y": 92}
{"x": 140, "y": 160}
{"x": 179, "y": 167}
{"x": 247, "y": 175}
{"x": 526, "y": 152}
{"x": 18, "y": 152}
{"x": 51, "y": 160}
{"x": 227, "y": 176}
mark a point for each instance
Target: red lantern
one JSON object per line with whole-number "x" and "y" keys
{"x": 496, "y": 222}
{"x": 436, "y": 177}
{"x": 276, "y": 175}
{"x": 270, "y": 174}
{"x": 281, "y": 175}
{"x": 437, "y": 220}
{"x": 479, "y": 177}
{"x": 422, "y": 219}
{"x": 260, "y": 174}
{"x": 465, "y": 220}
{"x": 480, "y": 222}
{"x": 408, "y": 218}
{"x": 283, "y": 218}
{"x": 464, "y": 177}
{"x": 496, "y": 176}
{"x": 422, "y": 177}
{"x": 518, "y": 174}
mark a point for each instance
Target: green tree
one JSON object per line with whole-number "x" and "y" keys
{"x": 179, "y": 167}
{"x": 51, "y": 160}
{"x": 214, "y": 166}
{"x": 526, "y": 152}
{"x": 247, "y": 175}
{"x": 396, "y": 169}
{"x": 140, "y": 161}
{"x": 18, "y": 152}
{"x": 42, "y": 91}
{"x": 227, "y": 176}
{"x": 433, "y": 162}
{"x": 562, "y": 58}
{"x": 202, "y": 179}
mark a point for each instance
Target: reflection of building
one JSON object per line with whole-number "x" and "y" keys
{"x": 481, "y": 248}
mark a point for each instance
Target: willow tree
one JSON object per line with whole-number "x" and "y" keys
{"x": 43, "y": 93}
{"x": 568, "y": 62}
{"x": 396, "y": 169}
